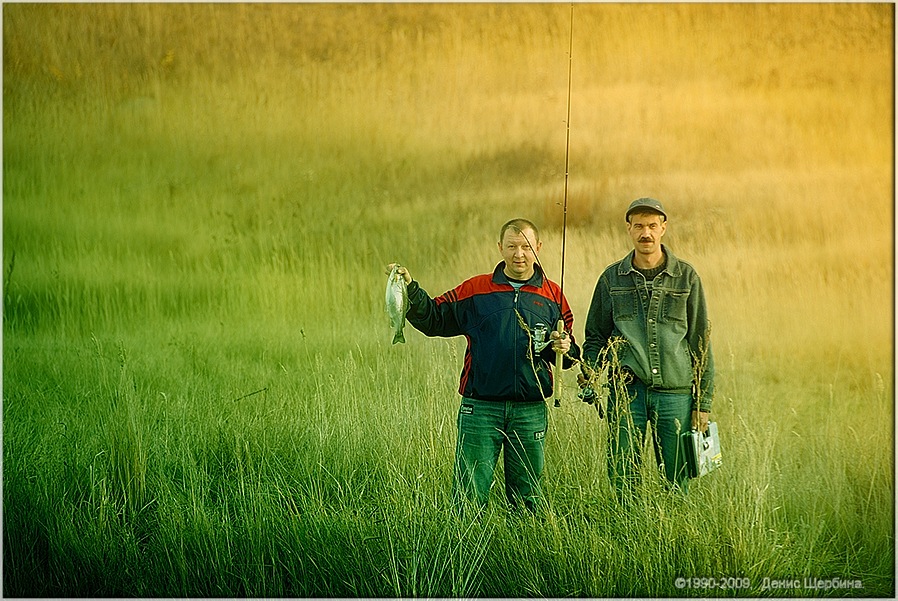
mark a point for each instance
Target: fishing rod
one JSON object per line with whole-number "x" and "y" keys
{"x": 567, "y": 155}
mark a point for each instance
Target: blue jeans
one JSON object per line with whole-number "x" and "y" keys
{"x": 670, "y": 414}
{"x": 486, "y": 428}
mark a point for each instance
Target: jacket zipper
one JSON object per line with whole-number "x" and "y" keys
{"x": 517, "y": 291}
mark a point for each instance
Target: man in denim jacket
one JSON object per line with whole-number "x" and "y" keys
{"x": 648, "y": 326}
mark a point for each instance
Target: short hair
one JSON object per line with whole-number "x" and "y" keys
{"x": 519, "y": 225}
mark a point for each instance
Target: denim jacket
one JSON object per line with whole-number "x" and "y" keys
{"x": 664, "y": 335}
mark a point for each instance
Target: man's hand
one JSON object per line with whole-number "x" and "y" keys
{"x": 561, "y": 342}
{"x": 700, "y": 420}
{"x": 586, "y": 372}
{"x": 402, "y": 271}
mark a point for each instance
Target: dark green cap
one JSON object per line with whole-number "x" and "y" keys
{"x": 643, "y": 204}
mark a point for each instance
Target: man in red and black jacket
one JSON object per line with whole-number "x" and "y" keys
{"x": 508, "y": 318}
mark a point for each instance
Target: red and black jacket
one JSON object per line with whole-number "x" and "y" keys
{"x": 501, "y": 361}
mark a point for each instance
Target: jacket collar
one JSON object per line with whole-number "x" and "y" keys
{"x": 672, "y": 268}
{"x": 536, "y": 279}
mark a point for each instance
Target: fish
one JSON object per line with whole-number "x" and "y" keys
{"x": 397, "y": 303}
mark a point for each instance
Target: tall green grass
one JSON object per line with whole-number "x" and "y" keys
{"x": 199, "y": 394}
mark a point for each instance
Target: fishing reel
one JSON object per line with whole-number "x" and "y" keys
{"x": 587, "y": 393}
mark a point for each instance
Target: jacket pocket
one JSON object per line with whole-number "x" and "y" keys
{"x": 624, "y": 303}
{"x": 673, "y": 309}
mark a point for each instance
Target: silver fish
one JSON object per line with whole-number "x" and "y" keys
{"x": 397, "y": 303}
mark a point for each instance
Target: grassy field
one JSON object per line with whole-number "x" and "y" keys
{"x": 200, "y": 397}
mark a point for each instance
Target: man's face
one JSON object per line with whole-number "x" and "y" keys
{"x": 518, "y": 254}
{"x": 646, "y": 230}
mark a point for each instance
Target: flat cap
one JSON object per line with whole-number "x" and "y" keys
{"x": 649, "y": 204}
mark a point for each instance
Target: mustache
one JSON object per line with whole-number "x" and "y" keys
{"x": 646, "y": 240}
